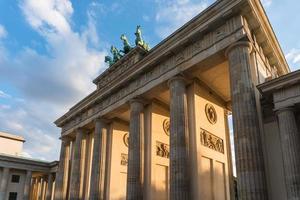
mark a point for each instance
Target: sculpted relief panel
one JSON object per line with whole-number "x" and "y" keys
{"x": 162, "y": 149}
{"x": 124, "y": 159}
{"x": 103, "y": 102}
{"x": 211, "y": 141}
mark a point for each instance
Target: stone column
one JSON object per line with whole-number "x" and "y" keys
{"x": 289, "y": 139}
{"x": 63, "y": 170}
{"x": 108, "y": 163}
{"x": 98, "y": 162}
{"x": 4, "y": 183}
{"x": 43, "y": 184}
{"x": 134, "y": 171}
{"x": 27, "y": 185}
{"x": 77, "y": 167}
{"x": 179, "y": 179}
{"x": 248, "y": 148}
{"x": 49, "y": 186}
{"x": 34, "y": 188}
{"x": 38, "y": 188}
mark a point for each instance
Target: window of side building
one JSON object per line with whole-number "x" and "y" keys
{"x": 13, "y": 196}
{"x": 15, "y": 178}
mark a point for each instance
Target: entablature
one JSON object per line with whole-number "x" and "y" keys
{"x": 283, "y": 91}
{"x": 27, "y": 164}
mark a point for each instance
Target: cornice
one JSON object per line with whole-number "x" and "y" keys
{"x": 281, "y": 82}
{"x": 259, "y": 14}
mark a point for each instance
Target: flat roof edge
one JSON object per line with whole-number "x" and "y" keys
{"x": 11, "y": 136}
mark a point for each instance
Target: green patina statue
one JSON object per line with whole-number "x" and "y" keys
{"x": 109, "y": 60}
{"x": 116, "y": 54}
{"x": 126, "y": 47}
{"x": 126, "y": 44}
{"x": 139, "y": 40}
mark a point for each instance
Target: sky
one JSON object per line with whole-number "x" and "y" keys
{"x": 51, "y": 50}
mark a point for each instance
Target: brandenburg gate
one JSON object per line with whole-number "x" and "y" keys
{"x": 157, "y": 127}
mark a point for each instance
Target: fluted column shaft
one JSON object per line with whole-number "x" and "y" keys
{"x": 4, "y": 183}
{"x": 289, "y": 139}
{"x": 249, "y": 157}
{"x": 49, "y": 186}
{"x": 134, "y": 171}
{"x": 27, "y": 185}
{"x": 39, "y": 188}
{"x": 63, "y": 171}
{"x": 34, "y": 188}
{"x": 98, "y": 163}
{"x": 43, "y": 188}
{"x": 179, "y": 179}
{"x": 77, "y": 167}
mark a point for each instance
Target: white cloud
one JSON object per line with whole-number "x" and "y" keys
{"x": 49, "y": 84}
{"x": 293, "y": 57}
{"x": 25, "y": 154}
{"x": 4, "y": 95}
{"x": 3, "y": 32}
{"x": 171, "y": 14}
{"x": 48, "y": 15}
{"x": 266, "y": 3}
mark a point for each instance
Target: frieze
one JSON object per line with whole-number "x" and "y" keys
{"x": 205, "y": 42}
{"x": 211, "y": 141}
{"x": 162, "y": 150}
{"x": 124, "y": 159}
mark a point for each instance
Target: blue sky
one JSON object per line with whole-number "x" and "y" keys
{"x": 50, "y": 51}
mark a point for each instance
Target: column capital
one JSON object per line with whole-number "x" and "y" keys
{"x": 101, "y": 120}
{"x": 284, "y": 109}
{"x": 138, "y": 100}
{"x": 179, "y": 78}
{"x": 239, "y": 44}
{"x": 65, "y": 139}
{"x": 81, "y": 130}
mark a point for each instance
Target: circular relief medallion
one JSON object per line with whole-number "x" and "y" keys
{"x": 166, "y": 126}
{"x": 211, "y": 113}
{"x": 126, "y": 139}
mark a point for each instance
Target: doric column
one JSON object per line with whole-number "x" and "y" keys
{"x": 249, "y": 157}
{"x": 4, "y": 183}
{"x": 289, "y": 139}
{"x": 77, "y": 167}
{"x": 62, "y": 174}
{"x": 27, "y": 185}
{"x": 49, "y": 186}
{"x": 98, "y": 162}
{"x": 108, "y": 162}
{"x": 43, "y": 184}
{"x": 179, "y": 179}
{"x": 134, "y": 171}
{"x": 34, "y": 188}
{"x": 38, "y": 188}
